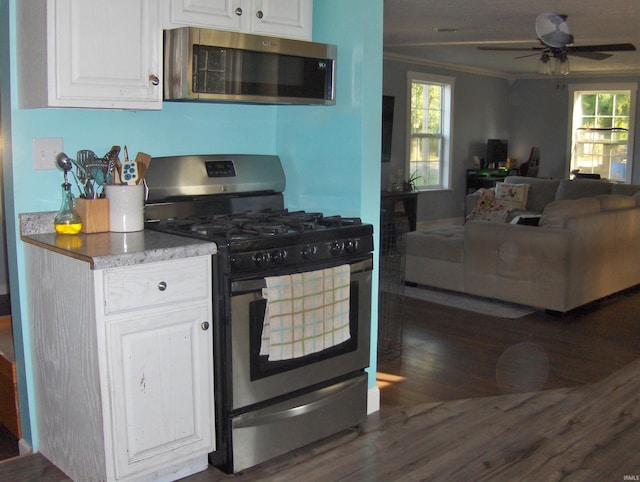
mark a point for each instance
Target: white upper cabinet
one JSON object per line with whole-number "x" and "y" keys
{"x": 279, "y": 18}
{"x": 90, "y": 53}
{"x": 282, "y": 18}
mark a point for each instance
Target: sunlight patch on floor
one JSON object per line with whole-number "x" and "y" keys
{"x": 385, "y": 379}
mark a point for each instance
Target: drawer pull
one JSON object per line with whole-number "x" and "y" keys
{"x": 162, "y": 286}
{"x": 205, "y": 325}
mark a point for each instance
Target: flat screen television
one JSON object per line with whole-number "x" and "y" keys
{"x": 497, "y": 152}
{"x": 387, "y": 126}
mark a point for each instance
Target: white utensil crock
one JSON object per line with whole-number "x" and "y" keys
{"x": 126, "y": 207}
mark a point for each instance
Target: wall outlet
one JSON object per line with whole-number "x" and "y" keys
{"x": 44, "y": 152}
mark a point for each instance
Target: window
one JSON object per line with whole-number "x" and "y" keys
{"x": 602, "y": 129}
{"x": 429, "y": 130}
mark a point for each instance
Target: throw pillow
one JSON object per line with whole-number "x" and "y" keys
{"x": 512, "y": 196}
{"x": 486, "y": 208}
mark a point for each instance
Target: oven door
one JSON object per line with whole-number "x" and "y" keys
{"x": 256, "y": 379}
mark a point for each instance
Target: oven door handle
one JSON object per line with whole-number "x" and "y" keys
{"x": 258, "y": 284}
{"x": 324, "y": 396}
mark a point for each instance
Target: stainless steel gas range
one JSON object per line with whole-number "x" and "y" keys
{"x": 292, "y": 303}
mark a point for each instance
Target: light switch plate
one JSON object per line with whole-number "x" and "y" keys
{"x": 44, "y": 152}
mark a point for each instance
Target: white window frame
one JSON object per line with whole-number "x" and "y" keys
{"x": 447, "y": 127}
{"x": 631, "y": 87}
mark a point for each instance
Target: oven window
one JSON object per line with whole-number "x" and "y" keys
{"x": 261, "y": 367}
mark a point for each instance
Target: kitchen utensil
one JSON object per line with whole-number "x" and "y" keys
{"x": 130, "y": 172}
{"x": 142, "y": 161}
{"x": 111, "y": 158}
{"x": 65, "y": 163}
{"x": 83, "y": 158}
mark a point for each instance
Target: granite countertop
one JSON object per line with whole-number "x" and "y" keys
{"x": 110, "y": 250}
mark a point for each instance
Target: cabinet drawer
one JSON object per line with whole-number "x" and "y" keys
{"x": 151, "y": 285}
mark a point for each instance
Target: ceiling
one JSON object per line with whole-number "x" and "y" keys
{"x": 410, "y": 33}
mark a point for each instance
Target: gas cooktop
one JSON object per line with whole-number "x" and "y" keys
{"x": 255, "y": 224}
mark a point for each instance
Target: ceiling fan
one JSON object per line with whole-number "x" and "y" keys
{"x": 556, "y": 42}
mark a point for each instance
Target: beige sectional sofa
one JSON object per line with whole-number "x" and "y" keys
{"x": 586, "y": 246}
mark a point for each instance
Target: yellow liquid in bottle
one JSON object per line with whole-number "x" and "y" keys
{"x": 68, "y": 228}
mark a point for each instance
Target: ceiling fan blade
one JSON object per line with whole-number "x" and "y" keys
{"x": 591, "y": 55}
{"x": 525, "y": 56}
{"x": 511, "y": 49}
{"x": 602, "y": 48}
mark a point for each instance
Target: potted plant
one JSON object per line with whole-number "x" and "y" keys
{"x": 410, "y": 183}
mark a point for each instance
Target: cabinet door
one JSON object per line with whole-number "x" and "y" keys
{"x": 217, "y": 14}
{"x": 284, "y": 18}
{"x": 280, "y": 18}
{"x": 160, "y": 377}
{"x": 104, "y": 53}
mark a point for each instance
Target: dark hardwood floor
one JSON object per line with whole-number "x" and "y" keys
{"x": 451, "y": 403}
{"x": 450, "y": 354}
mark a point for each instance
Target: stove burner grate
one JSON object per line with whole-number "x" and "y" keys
{"x": 257, "y": 224}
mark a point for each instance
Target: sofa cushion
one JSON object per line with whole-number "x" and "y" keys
{"x": 628, "y": 189}
{"x": 446, "y": 243}
{"x": 541, "y": 191}
{"x": 579, "y": 188}
{"x": 512, "y": 196}
{"x": 610, "y": 202}
{"x": 557, "y": 213}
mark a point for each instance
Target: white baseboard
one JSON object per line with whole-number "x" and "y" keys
{"x": 23, "y": 447}
{"x": 373, "y": 400}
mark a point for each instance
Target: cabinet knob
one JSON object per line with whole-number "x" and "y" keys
{"x": 162, "y": 285}
{"x": 154, "y": 79}
{"x": 259, "y": 14}
{"x": 238, "y": 11}
{"x": 205, "y": 325}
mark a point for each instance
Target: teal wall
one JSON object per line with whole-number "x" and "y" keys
{"x": 330, "y": 154}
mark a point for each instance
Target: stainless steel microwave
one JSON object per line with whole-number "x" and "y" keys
{"x": 213, "y": 65}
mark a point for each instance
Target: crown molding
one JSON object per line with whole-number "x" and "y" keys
{"x": 446, "y": 65}
{"x": 511, "y": 77}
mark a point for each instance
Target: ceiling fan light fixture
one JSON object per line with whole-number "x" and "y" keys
{"x": 562, "y": 64}
{"x": 544, "y": 67}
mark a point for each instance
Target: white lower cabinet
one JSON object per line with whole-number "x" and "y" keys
{"x": 124, "y": 388}
{"x": 157, "y": 371}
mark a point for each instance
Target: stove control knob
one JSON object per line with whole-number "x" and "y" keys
{"x": 260, "y": 259}
{"x": 336, "y": 248}
{"x": 308, "y": 251}
{"x": 279, "y": 256}
{"x": 351, "y": 246}
{"x": 235, "y": 261}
